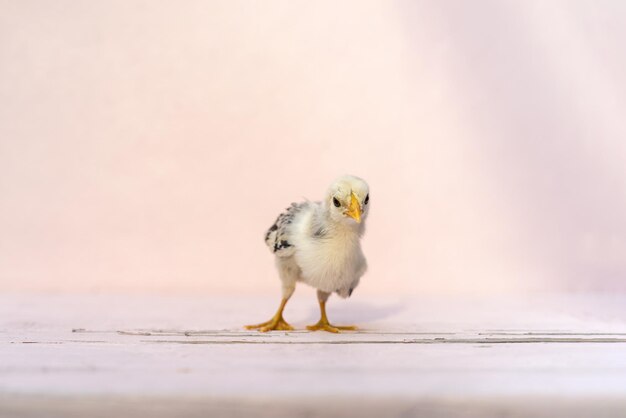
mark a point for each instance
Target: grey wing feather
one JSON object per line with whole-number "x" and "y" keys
{"x": 277, "y": 236}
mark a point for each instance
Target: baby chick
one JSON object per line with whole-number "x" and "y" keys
{"x": 318, "y": 243}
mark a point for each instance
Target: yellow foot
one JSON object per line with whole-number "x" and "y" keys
{"x": 325, "y": 326}
{"x": 274, "y": 324}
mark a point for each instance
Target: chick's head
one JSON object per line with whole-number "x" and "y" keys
{"x": 347, "y": 200}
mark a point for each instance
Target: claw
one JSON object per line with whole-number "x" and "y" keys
{"x": 274, "y": 324}
{"x": 326, "y": 326}
{"x": 277, "y": 323}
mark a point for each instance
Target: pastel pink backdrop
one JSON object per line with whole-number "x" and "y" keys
{"x": 147, "y": 145}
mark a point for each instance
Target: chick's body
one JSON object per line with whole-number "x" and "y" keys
{"x": 309, "y": 247}
{"x": 318, "y": 243}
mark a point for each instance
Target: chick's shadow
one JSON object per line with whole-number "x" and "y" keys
{"x": 356, "y": 313}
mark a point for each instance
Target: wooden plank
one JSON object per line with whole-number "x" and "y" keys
{"x": 72, "y": 355}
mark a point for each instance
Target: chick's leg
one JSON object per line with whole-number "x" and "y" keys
{"x": 277, "y": 323}
{"x": 323, "y": 323}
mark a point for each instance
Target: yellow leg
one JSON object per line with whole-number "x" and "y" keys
{"x": 276, "y": 323}
{"x": 324, "y": 325}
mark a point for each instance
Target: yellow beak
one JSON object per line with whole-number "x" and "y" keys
{"x": 354, "y": 210}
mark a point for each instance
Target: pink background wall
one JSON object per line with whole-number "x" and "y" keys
{"x": 146, "y": 146}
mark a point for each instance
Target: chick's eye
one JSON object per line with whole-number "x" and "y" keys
{"x": 336, "y": 202}
{"x": 367, "y": 199}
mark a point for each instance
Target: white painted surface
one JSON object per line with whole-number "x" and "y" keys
{"x": 543, "y": 356}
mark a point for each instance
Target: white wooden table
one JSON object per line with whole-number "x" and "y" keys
{"x": 546, "y": 356}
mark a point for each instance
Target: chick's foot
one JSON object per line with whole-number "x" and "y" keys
{"x": 326, "y": 326}
{"x": 274, "y": 324}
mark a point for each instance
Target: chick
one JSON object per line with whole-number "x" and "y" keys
{"x": 318, "y": 243}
